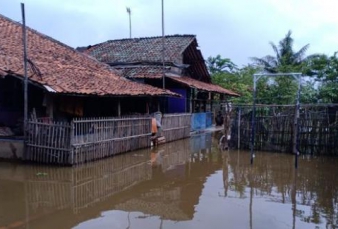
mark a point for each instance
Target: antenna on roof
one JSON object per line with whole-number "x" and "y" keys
{"x": 129, "y": 12}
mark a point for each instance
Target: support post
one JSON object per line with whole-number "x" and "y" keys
{"x": 163, "y": 47}
{"x": 296, "y": 126}
{"x": 71, "y": 149}
{"x": 211, "y": 102}
{"x": 50, "y": 106}
{"x": 119, "y": 108}
{"x": 191, "y": 100}
{"x": 253, "y": 121}
{"x": 24, "y": 40}
{"x": 239, "y": 129}
{"x": 147, "y": 107}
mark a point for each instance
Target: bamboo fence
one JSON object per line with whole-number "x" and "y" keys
{"x": 48, "y": 141}
{"x": 88, "y": 139}
{"x": 93, "y": 139}
{"x": 85, "y": 139}
{"x": 316, "y": 130}
{"x": 176, "y": 126}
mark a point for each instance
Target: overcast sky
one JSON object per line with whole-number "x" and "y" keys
{"x": 236, "y": 29}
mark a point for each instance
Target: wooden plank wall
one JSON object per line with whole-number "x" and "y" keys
{"x": 176, "y": 126}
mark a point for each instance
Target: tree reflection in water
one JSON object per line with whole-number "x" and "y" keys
{"x": 273, "y": 175}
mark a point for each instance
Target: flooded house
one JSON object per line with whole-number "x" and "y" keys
{"x": 174, "y": 62}
{"x": 69, "y": 94}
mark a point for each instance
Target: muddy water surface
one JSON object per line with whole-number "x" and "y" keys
{"x": 184, "y": 184}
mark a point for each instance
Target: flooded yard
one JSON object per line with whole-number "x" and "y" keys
{"x": 184, "y": 184}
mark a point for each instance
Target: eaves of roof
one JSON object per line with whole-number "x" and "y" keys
{"x": 203, "y": 86}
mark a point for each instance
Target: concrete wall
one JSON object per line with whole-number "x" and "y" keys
{"x": 11, "y": 149}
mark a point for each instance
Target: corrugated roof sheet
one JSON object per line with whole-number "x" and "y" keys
{"x": 60, "y": 67}
{"x": 147, "y": 49}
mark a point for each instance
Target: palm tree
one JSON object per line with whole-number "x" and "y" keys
{"x": 282, "y": 89}
{"x": 286, "y": 58}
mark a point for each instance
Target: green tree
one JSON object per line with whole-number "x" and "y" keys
{"x": 281, "y": 89}
{"x": 309, "y": 94}
{"x": 220, "y": 65}
{"x": 324, "y": 69}
{"x": 285, "y": 59}
{"x": 226, "y": 74}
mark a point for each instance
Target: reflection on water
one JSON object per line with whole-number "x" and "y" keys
{"x": 183, "y": 184}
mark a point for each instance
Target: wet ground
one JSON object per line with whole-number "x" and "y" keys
{"x": 184, "y": 184}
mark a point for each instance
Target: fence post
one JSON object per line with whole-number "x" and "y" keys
{"x": 239, "y": 129}
{"x": 71, "y": 150}
{"x": 296, "y": 125}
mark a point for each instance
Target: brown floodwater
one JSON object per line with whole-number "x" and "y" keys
{"x": 184, "y": 184}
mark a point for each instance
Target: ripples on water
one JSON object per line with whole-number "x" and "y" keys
{"x": 183, "y": 184}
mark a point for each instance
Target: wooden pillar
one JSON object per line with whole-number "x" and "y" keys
{"x": 205, "y": 106}
{"x": 211, "y": 102}
{"x": 192, "y": 102}
{"x": 221, "y": 99}
{"x": 49, "y": 102}
{"x": 118, "y": 107}
{"x": 147, "y": 106}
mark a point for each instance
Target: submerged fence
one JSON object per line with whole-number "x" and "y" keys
{"x": 316, "y": 133}
{"x": 89, "y": 139}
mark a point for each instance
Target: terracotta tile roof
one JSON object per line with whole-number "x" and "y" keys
{"x": 149, "y": 72}
{"x": 60, "y": 67}
{"x": 156, "y": 72}
{"x": 202, "y": 86}
{"x": 147, "y": 49}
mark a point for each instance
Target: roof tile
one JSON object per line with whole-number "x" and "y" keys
{"x": 60, "y": 67}
{"x": 147, "y": 49}
{"x": 156, "y": 72}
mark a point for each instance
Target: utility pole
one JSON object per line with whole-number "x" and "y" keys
{"x": 163, "y": 47}
{"x": 24, "y": 41}
{"x": 129, "y": 12}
